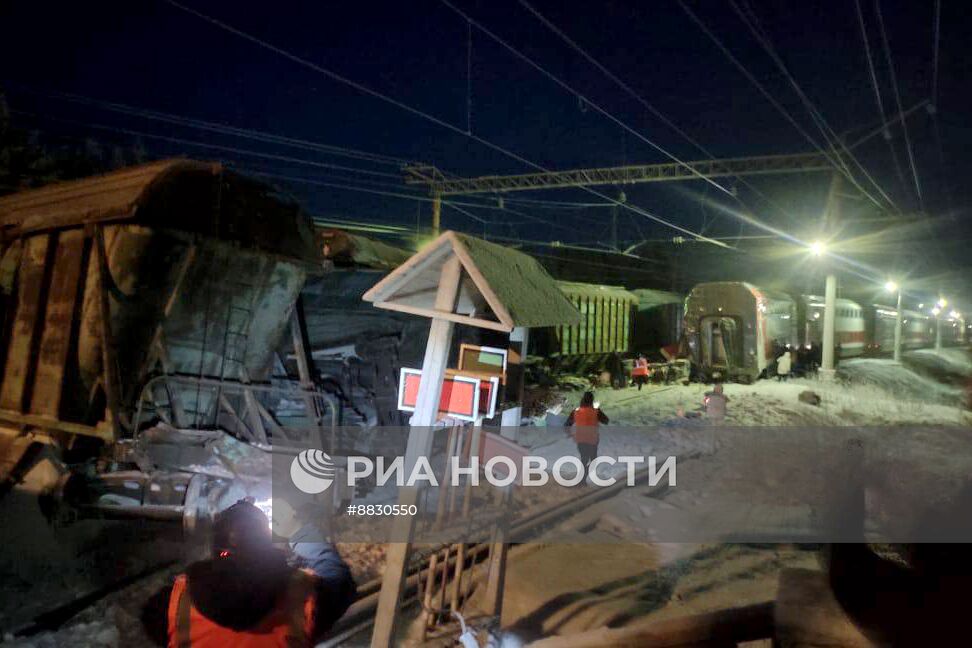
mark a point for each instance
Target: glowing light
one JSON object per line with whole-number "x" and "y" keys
{"x": 267, "y": 507}
{"x": 816, "y": 315}
{"x": 936, "y": 310}
{"x": 891, "y": 286}
{"x": 955, "y": 315}
{"x": 818, "y": 248}
{"x": 920, "y": 306}
{"x": 942, "y": 302}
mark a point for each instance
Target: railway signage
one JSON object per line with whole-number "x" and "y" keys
{"x": 466, "y": 398}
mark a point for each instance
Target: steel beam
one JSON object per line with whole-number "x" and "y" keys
{"x": 664, "y": 172}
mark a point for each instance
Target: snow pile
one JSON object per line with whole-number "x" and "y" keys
{"x": 898, "y": 380}
{"x": 951, "y": 365}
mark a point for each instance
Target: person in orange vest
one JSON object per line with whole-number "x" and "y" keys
{"x": 585, "y": 420}
{"x": 249, "y": 594}
{"x": 640, "y": 373}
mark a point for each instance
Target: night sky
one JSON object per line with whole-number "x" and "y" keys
{"x": 152, "y": 55}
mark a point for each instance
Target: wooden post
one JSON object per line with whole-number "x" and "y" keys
{"x": 510, "y": 418}
{"x": 496, "y": 576}
{"x": 419, "y": 445}
{"x": 457, "y": 577}
{"x": 442, "y": 509}
{"x": 477, "y": 433}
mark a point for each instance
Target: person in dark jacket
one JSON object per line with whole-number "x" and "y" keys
{"x": 252, "y": 593}
{"x": 585, "y": 420}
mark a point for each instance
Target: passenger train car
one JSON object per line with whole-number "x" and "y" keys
{"x": 731, "y": 329}
{"x": 734, "y": 329}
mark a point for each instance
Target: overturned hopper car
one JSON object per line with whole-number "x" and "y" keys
{"x": 175, "y": 267}
{"x": 140, "y": 316}
{"x": 732, "y": 328}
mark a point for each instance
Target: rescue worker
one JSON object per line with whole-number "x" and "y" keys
{"x": 585, "y": 420}
{"x": 640, "y": 372}
{"x": 714, "y": 403}
{"x": 247, "y": 594}
{"x": 783, "y": 366}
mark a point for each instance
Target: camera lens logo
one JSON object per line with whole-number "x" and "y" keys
{"x": 312, "y": 471}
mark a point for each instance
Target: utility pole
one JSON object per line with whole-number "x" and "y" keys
{"x": 897, "y": 330}
{"x": 436, "y": 211}
{"x": 831, "y": 216}
{"x": 614, "y": 227}
{"x": 830, "y": 306}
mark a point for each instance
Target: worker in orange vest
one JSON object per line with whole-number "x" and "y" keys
{"x": 585, "y": 420}
{"x": 640, "y": 373}
{"x": 249, "y": 594}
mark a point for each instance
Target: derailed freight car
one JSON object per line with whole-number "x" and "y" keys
{"x": 606, "y": 327}
{"x": 171, "y": 268}
{"x": 731, "y": 329}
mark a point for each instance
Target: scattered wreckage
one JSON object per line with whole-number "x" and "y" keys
{"x": 147, "y": 318}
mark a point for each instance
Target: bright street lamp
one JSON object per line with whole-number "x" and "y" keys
{"x": 891, "y": 286}
{"x": 942, "y": 302}
{"x": 818, "y": 248}
{"x": 936, "y": 310}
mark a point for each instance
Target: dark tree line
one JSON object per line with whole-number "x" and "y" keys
{"x": 29, "y": 158}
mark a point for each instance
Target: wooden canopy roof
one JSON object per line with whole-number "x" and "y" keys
{"x": 500, "y": 288}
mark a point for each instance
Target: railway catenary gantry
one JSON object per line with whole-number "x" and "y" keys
{"x": 636, "y": 173}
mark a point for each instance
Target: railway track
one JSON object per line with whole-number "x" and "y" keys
{"x": 360, "y": 616}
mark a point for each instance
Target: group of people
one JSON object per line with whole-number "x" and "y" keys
{"x": 584, "y": 421}
{"x": 801, "y": 361}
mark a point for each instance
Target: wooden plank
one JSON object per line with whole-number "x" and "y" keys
{"x": 496, "y": 574}
{"x": 62, "y": 302}
{"x": 386, "y": 288}
{"x": 25, "y": 329}
{"x": 47, "y": 424}
{"x": 452, "y": 317}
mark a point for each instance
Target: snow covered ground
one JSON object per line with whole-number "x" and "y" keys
{"x": 867, "y": 392}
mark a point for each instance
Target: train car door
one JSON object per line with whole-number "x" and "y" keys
{"x": 721, "y": 342}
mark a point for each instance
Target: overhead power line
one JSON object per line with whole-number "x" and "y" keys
{"x": 935, "y": 40}
{"x": 215, "y": 147}
{"x": 424, "y": 115}
{"x": 897, "y": 97}
{"x": 825, "y": 129}
{"x": 587, "y": 101}
{"x": 773, "y": 101}
{"x": 647, "y": 105}
{"x": 403, "y": 196}
{"x": 223, "y": 129}
{"x": 877, "y": 97}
